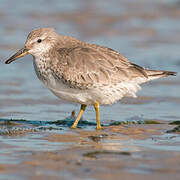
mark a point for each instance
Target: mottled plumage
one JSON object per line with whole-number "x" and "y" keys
{"x": 84, "y": 73}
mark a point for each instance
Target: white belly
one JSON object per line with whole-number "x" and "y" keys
{"x": 104, "y": 95}
{"x": 69, "y": 94}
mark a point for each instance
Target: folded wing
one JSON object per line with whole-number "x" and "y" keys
{"x": 84, "y": 67}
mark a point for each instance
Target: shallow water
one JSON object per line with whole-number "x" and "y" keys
{"x": 147, "y": 33}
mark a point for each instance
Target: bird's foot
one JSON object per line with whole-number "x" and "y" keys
{"x": 99, "y": 127}
{"x": 73, "y": 127}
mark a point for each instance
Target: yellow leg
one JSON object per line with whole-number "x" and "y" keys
{"x": 83, "y": 107}
{"x": 96, "y": 107}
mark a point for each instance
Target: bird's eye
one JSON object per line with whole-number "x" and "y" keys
{"x": 39, "y": 40}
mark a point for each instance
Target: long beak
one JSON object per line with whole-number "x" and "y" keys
{"x": 22, "y": 52}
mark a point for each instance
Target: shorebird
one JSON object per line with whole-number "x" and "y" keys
{"x": 83, "y": 73}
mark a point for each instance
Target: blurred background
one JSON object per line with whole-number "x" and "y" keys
{"x": 146, "y": 32}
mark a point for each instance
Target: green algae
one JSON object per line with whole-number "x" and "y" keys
{"x": 152, "y": 122}
{"x": 16, "y": 131}
{"x": 116, "y": 123}
{"x": 94, "y": 154}
{"x": 175, "y": 123}
{"x": 174, "y": 130}
{"x": 70, "y": 122}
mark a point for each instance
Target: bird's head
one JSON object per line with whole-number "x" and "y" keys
{"x": 38, "y": 42}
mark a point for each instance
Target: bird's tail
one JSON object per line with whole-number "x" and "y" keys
{"x": 149, "y": 74}
{"x": 145, "y": 75}
{"x": 155, "y": 74}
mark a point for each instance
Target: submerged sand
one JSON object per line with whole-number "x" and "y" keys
{"x": 135, "y": 151}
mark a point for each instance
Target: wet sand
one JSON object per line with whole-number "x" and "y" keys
{"x": 135, "y": 151}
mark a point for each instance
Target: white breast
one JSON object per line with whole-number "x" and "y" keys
{"x": 60, "y": 89}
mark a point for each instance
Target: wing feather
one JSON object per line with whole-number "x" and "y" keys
{"x": 87, "y": 66}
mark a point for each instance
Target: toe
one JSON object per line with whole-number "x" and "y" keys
{"x": 73, "y": 127}
{"x": 99, "y": 127}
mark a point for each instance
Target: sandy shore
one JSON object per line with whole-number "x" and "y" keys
{"x": 139, "y": 151}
